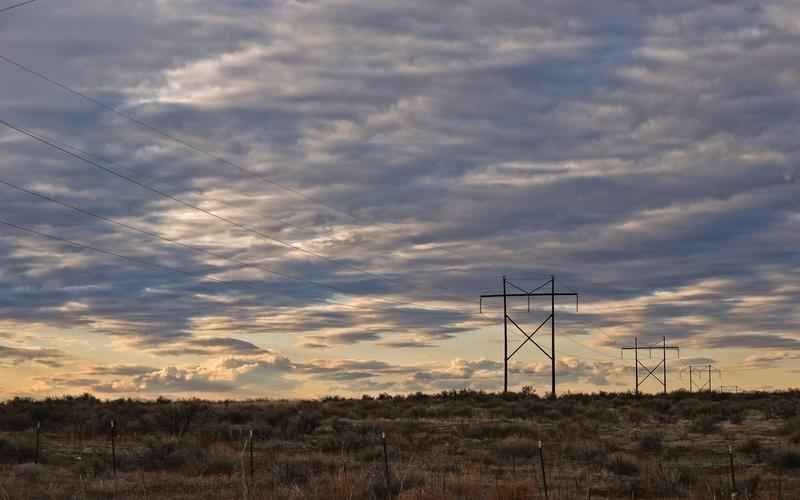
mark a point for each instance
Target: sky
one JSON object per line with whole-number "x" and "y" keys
{"x": 299, "y": 198}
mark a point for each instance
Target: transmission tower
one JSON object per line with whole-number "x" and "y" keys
{"x": 706, "y": 385}
{"x": 529, "y": 337}
{"x": 663, "y": 363}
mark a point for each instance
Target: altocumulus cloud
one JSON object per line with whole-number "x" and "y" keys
{"x": 628, "y": 147}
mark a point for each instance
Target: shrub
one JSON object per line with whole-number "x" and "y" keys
{"x": 220, "y": 461}
{"x": 305, "y": 422}
{"x": 587, "y": 450}
{"x": 788, "y": 459}
{"x": 16, "y": 450}
{"x": 705, "y": 424}
{"x": 30, "y": 472}
{"x": 736, "y": 417}
{"x": 790, "y": 426}
{"x": 651, "y": 442}
{"x": 687, "y": 476}
{"x": 623, "y": 465}
{"x": 636, "y": 416}
{"x": 751, "y": 446}
{"x": 15, "y": 422}
{"x": 518, "y": 447}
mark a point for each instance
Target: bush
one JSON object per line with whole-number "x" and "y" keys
{"x": 623, "y": 465}
{"x": 30, "y": 472}
{"x": 651, "y": 442}
{"x": 15, "y": 422}
{"x": 16, "y": 450}
{"x": 787, "y": 459}
{"x": 791, "y": 426}
{"x": 518, "y": 447}
{"x": 705, "y": 424}
{"x": 736, "y": 417}
{"x": 687, "y": 476}
{"x": 220, "y": 461}
{"x": 751, "y": 446}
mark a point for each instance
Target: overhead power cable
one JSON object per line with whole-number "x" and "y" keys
{"x": 10, "y": 7}
{"x": 171, "y": 137}
{"x": 141, "y": 262}
{"x": 581, "y": 344}
{"x": 153, "y": 234}
{"x": 189, "y": 145}
{"x": 187, "y": 204}
{"x": 138, "y": 261}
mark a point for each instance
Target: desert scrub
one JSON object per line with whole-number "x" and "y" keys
{"x": 751, "y": 446}
{"x": 705, "y": 424}
{"x": 623, "y": 464}
{"x": 16, "y": 450}
{"x": 517, "y": 447}
{"x": 787, "y": 458}
{"x": 652, "y": 442}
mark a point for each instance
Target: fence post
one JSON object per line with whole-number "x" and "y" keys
{"x": 544, "y": 475}
{"x": 113, "y": 450}
{"x": 386, "y": 471}
{"x": 252, "y": 468}
{"x": 38, "y": 430}
{"x": 734, "y": 491}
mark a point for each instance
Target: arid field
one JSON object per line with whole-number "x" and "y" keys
{"x": 454, "y": 445}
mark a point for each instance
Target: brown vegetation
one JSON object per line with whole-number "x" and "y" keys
{"x": 455, "y": 445}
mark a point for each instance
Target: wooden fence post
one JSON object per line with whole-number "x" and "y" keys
{"x": 544, "y": 474}
{"x": 252, "y": 468}
{"x": 113, "y": 450}
{"x": 38, "y": 430}
{"x": 734, "y": 491}
{"x": 386, "y": 470}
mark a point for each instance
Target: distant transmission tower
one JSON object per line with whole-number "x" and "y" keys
{"x": 706, "y": 385}
{"x": 663, "y": 363}
{"x": 529, "y": 337}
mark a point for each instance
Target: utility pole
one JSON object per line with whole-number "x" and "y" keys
{"x": 505, "y": 338}
{"x": 664, "y": 361}
{"x": 529, "y": 336}
{"x": 553, "y": 333}
{"x": 662, "y": 364}
{"x": 690, "y": 379}
{"x": 636, "y": 365}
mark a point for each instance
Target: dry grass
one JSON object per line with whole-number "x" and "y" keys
{"x": 464, "y": 445}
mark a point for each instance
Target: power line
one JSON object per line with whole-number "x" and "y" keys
{"x": 84, "y": 246}
{"x": 172, "y": 241}
{"x": 187, "y": 204}
{"x": 172, "y": 137}
{"x": 133, "y": 260}
{"x": 581, "y": 344}
{"x": 6, "y": 9}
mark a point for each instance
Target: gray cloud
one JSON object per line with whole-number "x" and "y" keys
{"x": 753, "y": 342}
{"x": 18, "y": 355}
{"x": 628, "y": 148}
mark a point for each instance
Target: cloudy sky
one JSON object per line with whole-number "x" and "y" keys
{"x": 298, "y": 198}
